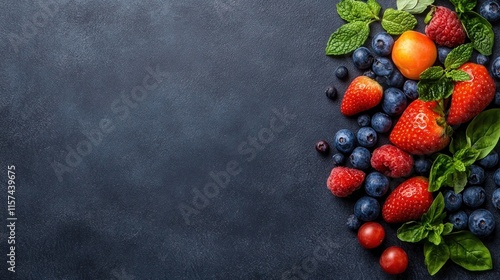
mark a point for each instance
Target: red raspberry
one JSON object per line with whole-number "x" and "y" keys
{"x": 392, "y": 161}
{"x": 344, "y": 180}
{"x": 445, "y": 28}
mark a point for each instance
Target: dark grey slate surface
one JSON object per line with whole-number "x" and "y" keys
{"x": 163, "y": 99}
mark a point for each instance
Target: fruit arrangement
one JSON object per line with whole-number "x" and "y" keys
{"x": 429, "y": 124}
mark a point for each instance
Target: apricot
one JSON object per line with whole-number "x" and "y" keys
{"x": 413, "y": 52}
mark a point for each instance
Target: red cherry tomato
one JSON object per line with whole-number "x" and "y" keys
{"x": 371, "y": 235}
{"x": 394, "y": 260}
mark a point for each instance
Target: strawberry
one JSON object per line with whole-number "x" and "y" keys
{"x": 409, "y": 201}
{"x": 421, "y": 129}
{"x": 391, "y": 161}
{"x": 344, "y": 180}
{"x": 470, "y": 97}
{"x": 362, "y": 94}
{"x": 444, "y": 27}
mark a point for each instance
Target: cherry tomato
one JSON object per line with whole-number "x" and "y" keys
{"x": 371, "y": 235}
{"x": 394, "y": 260}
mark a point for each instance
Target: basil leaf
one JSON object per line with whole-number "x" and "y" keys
{"x": 464, "y": 5}
{"x": 458, "y": 56}
{"x": 458, "y": 181}
{"x": 448, "y": 228}
{"x": 458, "y": 75}
{"x": 420, "y": 7}
{"x": 459, "y": 165}
{"x": 467, "y": 156}
{"x": 434, "y": 212}
{"x": 412, "y": 232}
{"x": 459, "y": 141}
{"x": 479, "y": 31}
{"x": 396, "y": 22}
{"x": 435, "y": 89}
{"x": 352, "y": 10}
{"x": 432, "y": 73}
{"x": 483, "y": 131}
{"x": 434, "y": 238}
{"x": 485, "y": 145}
{"x": 406, "y": 4}
{"x": 441, "y": 169}
{"x": 468, "y": 251}
{"x": 374, "y": 8}
{"x": 347, "y": 38}
{"x": 435, "y": 256}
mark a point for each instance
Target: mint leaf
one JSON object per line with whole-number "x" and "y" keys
{"x": 435, "y": 256}
{"x": 467, "y": 156}
{"x": 463, "y": 5}
{"x": 479, "y": 31}
{"x": 435, "y": 89}
{"x": 347, "y": 38}
{"x": 432, "y": 73}
{"x": 458, "y": 56}
{"x": 420, "y": 7}
{"x": 406, "y": 4}
{"x": 352, "y": 10}
{"x": 441, "y": 172}
{"x": 396, "y": 22}
{"x": 459, "y": 141}
{"x": 483, "y": 132}
{"x": 374, "y": 8}
{"x": 458, "y": 75}
{"x": 468, "y": 251}
{"x": 412, "y": 232}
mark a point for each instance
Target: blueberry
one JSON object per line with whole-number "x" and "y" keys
{"x": 459, "y": 220}
{"x": 496, "y": 177}
{"x": 497, "y": 98}
{"x": 394, "y": 101}
{"x": 331, "y": 92}
{"x": 495, "y": 198}
{"x": 323, "y": 147}
{"x": 364, "y": 120}
{"x": 376, "y": 184}
{"x": 370, "y": 74}
{"x": 481, "y": 222}
{"x": 382, "y": 66}
{"x": 482, "y": 59}
{"x": 422, "y": 166}
{"x": 360, "y": 158}
{"x": 396, "y": 79}
{"x": 489, "y": 161}
{"x": 353, "y": 223}
{"x": 338, "y": 159}
{"x": 410, "y": 89}
{"x": 362, "y": 58}
{"x": 345, "y": 141}
{"x": 381, "y": 122}
{"x": 490, "y": 10}
{"x": 383, "y": 81}
{"x": 367, "y": 208}
{"x": 474, "y": 196}
{"x": 495, "y": 68}
{"x": 476, "y": 176}
{"x": 443, "y": 53}
{"x": 367, "y": 137}
{"x": 341, "y": 72}
{"x": 382, "y": 43}
{"x": 452, "y": 200}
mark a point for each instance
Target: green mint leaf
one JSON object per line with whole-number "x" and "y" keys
{"x": 435, "y": 256}
{"x": 396, "y": 22}
{"x": 406, "y": 4}
{"x": 433, "y": 214}
{"x": 441, "y": 169}
{"x": 458, "y": 75}
{"x": 419, "y": 7}
{"x": 347, "y": 38}
{"x": 412, "y": 232}
{"x": 463, "y": 5}
{"x": 467, "y": 156}
{"x": 374, "y": 8}
{"x": 448, "y": 228}
{"x": 353, "y": 10}
{"x": 483, "y": 132}
{"x": 459, "y": 141}
{"x": 468, "y": 251}
{"x": 458, "y": 56}
{"x": 435, "y": 89}
{"x": 479, "y": 31}
{"x": 432, "y": 73}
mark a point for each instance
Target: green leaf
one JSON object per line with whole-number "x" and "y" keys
{"x": 396, "y": 22}
{"x": 458, "y": 75}
{"x": 432, "y": 73}
{"x": 464, "y": 5}
{"x": 458, "y": 56}
{"x": 441, "y": 169}
{"x": 468, "y": 251}
{"x": 467, "y": 156}
{"x": 458, "y": 181}
{"x": 459, "y": 165}
{"x": 412, "y": 232}
{"x": 433, "y": 214}
{"x": 483, "y": 131}
{"x": 459, "y": 141}
{"x": 406, "y": 4}
{"x": 347, "y": 38}
{"x": 352, "y": 10}
{"x": 479, "y": 31}
{"x": 434, "y": 237}
{"x": 419, "y": 7}
{"x": 435, "y": 89}
{"x": 448, "y": 228}
{"x": 374, "y": 8}
{"x": 435, "y": 256}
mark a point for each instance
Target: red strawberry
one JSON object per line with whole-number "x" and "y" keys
{"x": 362, "y": 94}
{"x": 470, "y": 97}
{"x": 344, "y": 180}
{"x": 409, "y": 201}
{"x": 444, "y": 27}
{"x": 391, "y": 161}
{"x": 421, "y": 129}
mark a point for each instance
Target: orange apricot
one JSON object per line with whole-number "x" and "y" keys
{"x": 413, "y": 52}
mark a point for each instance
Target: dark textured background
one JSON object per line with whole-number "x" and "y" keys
{"x": 226, "y": 67}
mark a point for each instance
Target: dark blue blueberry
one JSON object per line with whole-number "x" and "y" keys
{"x": 410, "y": 89}
{"x": 490, "y": 10}
{"x": 452, "y": 200}
{"x": 497, "y": 98}
{"x": 370, "y": 74}
{"x": 382, "y": 66}
{"x": 481, "y": 222}
{"x": 364, "y": 120}
{"x": 360, "y": 158}
{"x": 376, "y": 184}
{"x": 341, "y": 72}
{"x": 367, "y": 137}
{"x": 331, "y": 92}
{"x": 323, "y": 147}
{"x": 495, "y": 68}
{"x": 338, "y": 159}
{"x": 443, "y": 53}
{"x": 495, "y": 198}
{"x": 383, "y": 81}
{"x": 459, "y": 220}
{"x": 496, "y": 177}
{"x": 345, "y": 141}
{"x": 362, "y": 58}
{"x": 381, "y": 122}
{"x": 490, "y": 161}
{"x": 367, "y": 208}
{"x": 482, "y": 59}
{"x": 477, "y": 175}
{"x": 474, "y": 196}
{"x": 382, "y": 43}
{"x": 353, "y": 223}
{"x": 422, "y": 166}
{"x": 394, "y": 101}
{"x": 396, "y": 79}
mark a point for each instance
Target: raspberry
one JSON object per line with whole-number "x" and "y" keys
{"x": 444, "y": 27}
{"x": 392, "y": 161}
{"x": 344, "y": 180}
